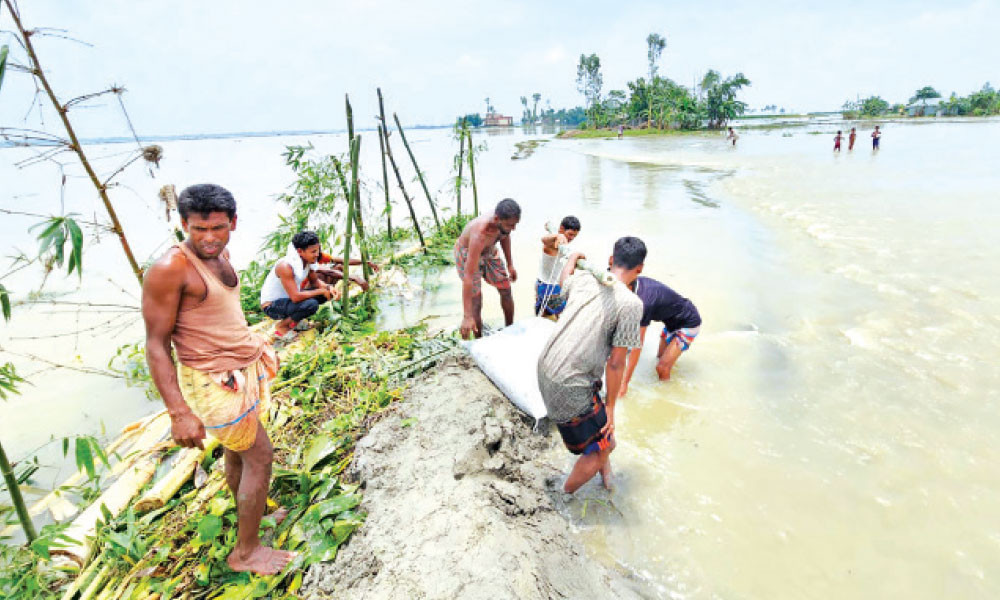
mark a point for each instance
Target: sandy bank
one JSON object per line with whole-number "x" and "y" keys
{"x": 460, "y": 505}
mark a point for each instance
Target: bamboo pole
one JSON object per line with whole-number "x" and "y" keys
{"x": 16, "y": 498}
{"x": 114, "y": 500}
{"x": 416, "y": 168}
{"x": 345, "y": 298}
{"x": 75, "y": 145}
{"x": 402, "y": 188}
{"x": 359, "y": 222}
{"x": 385, "y": 185}
{"x": 472, "y": 173}
{"x": 165, "y": 488}
{"x": 461, "y": 163}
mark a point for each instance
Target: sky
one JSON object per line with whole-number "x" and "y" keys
{"x": 192, "y": 66}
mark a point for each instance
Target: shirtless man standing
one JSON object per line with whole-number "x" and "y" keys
{"x": 191, "y": 298}
{"x": 476, "y": 259}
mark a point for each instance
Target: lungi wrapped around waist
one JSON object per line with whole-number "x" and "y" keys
{"x": 230, "y": 403}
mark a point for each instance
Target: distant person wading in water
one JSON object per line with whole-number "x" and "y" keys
{"x": 732, "y": 136}
{"x": 476, "y": 259}
{"x": 191, "y": 297}
{"x": 852, "y": 138}
{"x": 876, "y": 138}
{"x": 836, "y": 141}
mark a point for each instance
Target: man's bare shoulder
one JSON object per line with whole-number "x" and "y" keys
{"x": 169, "y": 269}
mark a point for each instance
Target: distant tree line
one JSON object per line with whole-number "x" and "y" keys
{"x": 656, "y": 101}
{"x": 984, "y": 102}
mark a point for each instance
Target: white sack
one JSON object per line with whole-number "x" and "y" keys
{"x": 510, "y": 359}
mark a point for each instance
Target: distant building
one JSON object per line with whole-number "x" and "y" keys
{"x": 495, "y": 119}
{"x": 930, "y": 107}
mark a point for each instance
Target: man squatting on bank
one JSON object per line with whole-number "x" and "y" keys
{"x": 292, "y": 290}
{"x": 592, "y": 337}
{"x": 191, "y": 298}
{"x": 476, "y": 259}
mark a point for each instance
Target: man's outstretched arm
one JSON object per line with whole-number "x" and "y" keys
{"x": 632, "y": 361}
{"x": 161, "y": 297}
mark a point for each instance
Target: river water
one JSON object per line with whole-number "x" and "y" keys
{"x": 831, "y": 432}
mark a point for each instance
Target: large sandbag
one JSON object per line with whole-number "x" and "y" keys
{"x": 510, "y": 359}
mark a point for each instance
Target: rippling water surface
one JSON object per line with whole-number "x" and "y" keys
{"x": 832, "y": 431}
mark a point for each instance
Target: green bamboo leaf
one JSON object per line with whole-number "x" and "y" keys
{"x": 76, "y": 247}
{"x": 209, "y": 528}
{"x": 5, "y": 302}
{"x": 84, "y": 457}
{"x": 65, "y": 445}
{"x": 3, "y": 61}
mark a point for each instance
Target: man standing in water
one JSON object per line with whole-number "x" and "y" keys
{"x": 836, "y": 141}
{"x": 547, "y": 288}
{"x": 732, "y": 136}
{"x": 476, "y": 259}
{"x": 681, "y": 324}
{"x": 876, "y": 138}
{"x": 598, "y": 327}
{"x": 851, "y": 138}
{"x": 191, "y": 297}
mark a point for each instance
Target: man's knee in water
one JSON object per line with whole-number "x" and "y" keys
{"x": 506, "y": 294}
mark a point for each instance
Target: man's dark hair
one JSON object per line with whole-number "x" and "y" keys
{"x": 570, "y": 223}
{"x": 304, "y": 239}
{"x": 507, "y": 209}
{"x": 204, "y": 199}
{"x": 630, "y": 252}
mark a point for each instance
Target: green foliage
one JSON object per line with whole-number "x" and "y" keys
{"x": 9, "y": 380}
{"x": 473, "y": 119}
{"x": 5, "y": 302}
{"x": 25, "y": 571}
{"x": 655, "y": 43}
{"x": 589, "y": 82}
{"x": 316, "y": 200}
{"x": 440, "y": 245}
{"x": 873, "y": 106}
{"x": 925, "y": 93}
{"x": 4, "y": 51}
{"x": 720, "y": 103}
{"x": 56, "y": 231}
{"x": 130, "y": 362}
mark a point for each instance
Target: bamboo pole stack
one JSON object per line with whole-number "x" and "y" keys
{"x": 416, "y": 168}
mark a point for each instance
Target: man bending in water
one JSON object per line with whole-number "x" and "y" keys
{"x": 476, "y": 259}
{"x": 547, "y": 288}
{"x": 598, "y": 327}
{"x": 681, "y": 324}
{"x": 191, "y": 297}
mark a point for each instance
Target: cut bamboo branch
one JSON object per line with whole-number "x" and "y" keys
{"x": 345, "y": 298}
{"x": 16, "y": 498}
{"x": 402, "y": 188}
{"x": 385, "y": 186}
{"x": 56, "y": 500}
{"x": 472, "y": 173}
{"x": 164, "y": 489}
{"x": 114, "y": 500}
{"x": 461, "y": 163}
{"x": 75, "y": 145}
{"x": 359, "y": 221}
{"x": 416, "y": 167}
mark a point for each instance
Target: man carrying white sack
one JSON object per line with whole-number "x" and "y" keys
{"x": 592, "y": 338}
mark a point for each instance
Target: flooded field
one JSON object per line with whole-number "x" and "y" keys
{"x": 830, "y": 434}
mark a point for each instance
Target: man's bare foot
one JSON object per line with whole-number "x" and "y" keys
{"x": 261, "y": 560}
